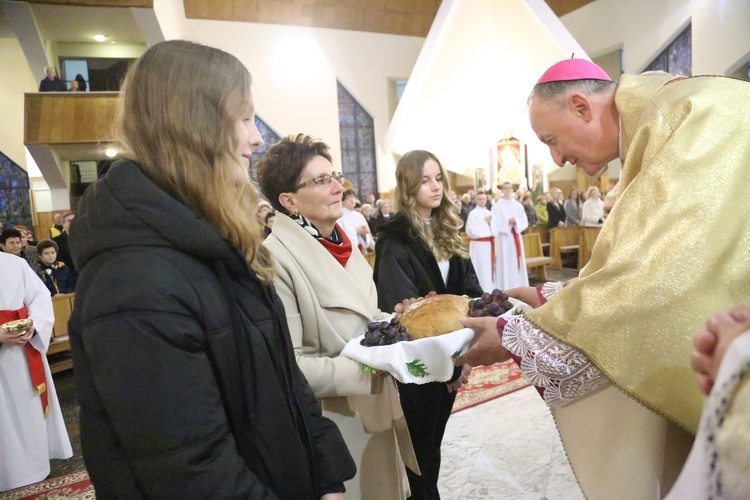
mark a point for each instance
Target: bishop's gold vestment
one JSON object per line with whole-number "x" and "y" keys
{"x": 675, "y": 248}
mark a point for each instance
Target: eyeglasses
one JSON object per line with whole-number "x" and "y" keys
{"x": 322, "y": 180}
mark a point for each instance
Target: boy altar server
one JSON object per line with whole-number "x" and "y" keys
{"x": 508, "y": 222}
{"x": 482, "y": 246}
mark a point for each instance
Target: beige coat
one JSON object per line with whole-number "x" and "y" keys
{"x": 326, "y": 306}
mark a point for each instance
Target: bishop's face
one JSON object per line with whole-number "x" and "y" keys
{"x": 574, "y": 133}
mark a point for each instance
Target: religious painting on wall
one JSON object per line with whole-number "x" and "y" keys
{"x": 480, "y": 180}
{"x": 511, "y": 162}
{"x": 536, "y": 179}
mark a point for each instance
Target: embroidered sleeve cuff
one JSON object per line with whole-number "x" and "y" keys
{"x": 564, "y": 373}
{"x": 547, "y": 290}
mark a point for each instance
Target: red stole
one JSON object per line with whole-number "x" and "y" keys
{"x": 34, "y": 357}
{"x": 491, "y": 239}
{"x": 517, "y": 241}
{"x": 340, "y": 252}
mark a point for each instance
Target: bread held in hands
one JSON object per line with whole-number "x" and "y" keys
{"x": 434, "y": 316}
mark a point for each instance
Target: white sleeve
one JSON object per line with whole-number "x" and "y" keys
{"x": 499, "y": 223}
{"x": 472, "y": 225}
{"x": 563, "y": 372}
{"x": 39, "y": 302}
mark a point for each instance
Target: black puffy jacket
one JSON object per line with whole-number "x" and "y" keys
{"x": 184, "y": 367}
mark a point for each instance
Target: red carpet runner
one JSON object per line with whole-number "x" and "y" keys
{"x": 74, "y": 485}
{"x": 489, "y": 382}
{"x": 485, "y": 384}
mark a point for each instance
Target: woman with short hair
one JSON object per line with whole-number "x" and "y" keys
{"x": 329, "y": 297}
{"x": 592, "y": 212}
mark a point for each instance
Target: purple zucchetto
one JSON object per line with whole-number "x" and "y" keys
{"x": 573, "y": 69}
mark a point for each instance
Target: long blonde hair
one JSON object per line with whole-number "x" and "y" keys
{"x": 177, "y": 117}
{"x": 440, "y": 234}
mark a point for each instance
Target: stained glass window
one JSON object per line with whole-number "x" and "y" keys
{"x": 677, "y": 58}
{"x": 15, "y": 201}
{"x": 357, "y": 144}
{"x": 270, "y": 137}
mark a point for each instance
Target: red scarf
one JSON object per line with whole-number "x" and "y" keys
{"x": 34, "y": 357}
{"x": 341, "y": 252}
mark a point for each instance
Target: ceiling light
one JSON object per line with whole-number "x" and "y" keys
{"x": 100, "y": 38}
{"x": 110, "y": 152}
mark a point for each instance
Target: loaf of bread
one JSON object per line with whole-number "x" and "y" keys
{"x": 434, "y": 316}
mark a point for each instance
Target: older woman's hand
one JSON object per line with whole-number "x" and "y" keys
{"x": 400, "y": 307}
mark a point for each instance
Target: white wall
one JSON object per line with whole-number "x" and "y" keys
{"x": 17, "y": 79}
{"x": 295, "y": 71}
{"x": 720, "y": 30}
{"x": 469, "y": 87}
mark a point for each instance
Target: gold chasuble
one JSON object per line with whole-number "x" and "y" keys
{"x": 674, "y": 249}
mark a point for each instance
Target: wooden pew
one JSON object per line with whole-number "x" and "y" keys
{"x": 586, "y": 243}
{"x": 543, "y": 232}
{"x": 535, "y": 259}
{"x": 62, "y": 304}
{"x": 563, "y": 240}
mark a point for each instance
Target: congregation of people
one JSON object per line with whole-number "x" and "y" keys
{"x": 208, "y": 362}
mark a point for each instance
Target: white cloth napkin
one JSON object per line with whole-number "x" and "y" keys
{"x": 419, "y": 361}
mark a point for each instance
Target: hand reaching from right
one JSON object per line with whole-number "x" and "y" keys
{"x": 527, "y": 294}
{"x": 712, "y": 343}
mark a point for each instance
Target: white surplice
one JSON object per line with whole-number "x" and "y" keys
{"x": 481, "y": 251}
{"x": 509, "y": 272}
{"x": 27, "y": 439}
{"x": 349, "y": 222}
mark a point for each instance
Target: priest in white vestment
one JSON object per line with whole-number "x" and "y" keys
{"x": 508, "y": 222}
{"x": 28, "y": 439}
{"x": 354, "y": 224}
{"x": 482, "y": 245}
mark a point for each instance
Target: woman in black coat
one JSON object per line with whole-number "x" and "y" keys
{"x": 556, "y": 210}
{"x": 185, "y": 372}
{"x": 417, "y": 252}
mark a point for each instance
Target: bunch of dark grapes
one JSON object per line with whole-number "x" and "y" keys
{"x": 384, "y": 333}
{"x": 490, "y": 304}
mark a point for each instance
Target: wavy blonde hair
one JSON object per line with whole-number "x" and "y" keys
{"x": 441, "y": 233}
{"x": 177, "y": 118}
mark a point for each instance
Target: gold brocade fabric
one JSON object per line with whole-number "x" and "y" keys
{"x": 675, "y": 247}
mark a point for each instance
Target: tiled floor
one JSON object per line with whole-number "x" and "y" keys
{"x": 506, "y": 448}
